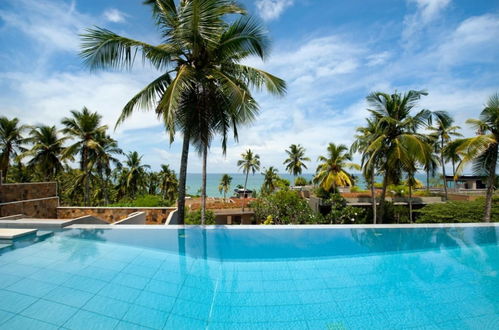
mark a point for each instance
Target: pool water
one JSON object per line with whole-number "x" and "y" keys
{"x": 312, "y": 278}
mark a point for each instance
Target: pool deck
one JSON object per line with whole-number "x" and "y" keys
{"x": 10, "y": 234}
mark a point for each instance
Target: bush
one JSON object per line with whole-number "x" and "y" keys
{"x": 341, "y": 213}
{"x": 300, "y": 181}
{"x": 143, "y": 201}
{"x": 454, "y": 211}
{"x": 194, "y": 217}
{"x": 284, "y": 207}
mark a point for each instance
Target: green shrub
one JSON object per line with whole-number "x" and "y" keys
{"x": 341, "y": 213}
{"x": 143, "y": 201}
{"x": 300, "y": 181}
{"x": 457, "y": 211}
{"x": 194, "y": 217}
{"x": 284, "y": 207}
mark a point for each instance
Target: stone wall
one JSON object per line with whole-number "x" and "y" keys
{"x": 154, "y": 215}
{"x": 14, "y": 192}
{"x": 35, "y": 208}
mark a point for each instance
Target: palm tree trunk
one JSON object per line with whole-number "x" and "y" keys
{"x": 86, "y": 192}
{"x": 410, "y": 203}
{"x": 182, "y": 178}
{"x": 454, "y": 174}
{"x": 443, "y": 167}
{"x": 373, "y": 196}
{"x": 245, "y": 182}
{"x": 490, "y": 184}
{"x": 203, "y": 186}
{"x": 428, "y": 181}
{"x": 382, "y": 199}
{"x": 106, "y": 194}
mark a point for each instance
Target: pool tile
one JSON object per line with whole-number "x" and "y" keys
{"x": 164, "y": 288}
{"x": 25, "y": 323}
{"x": 139, "y": 270}
{"x": 196, "y": 295}
{"x": 130, "y": 326}
{"x": 178, "y": 322}
{"x": 98, "y": 273}
{"x": 50, "y": 276}
{"x": 146, "y": 317}
{"x": 107, "y": 306}
{"x": 4, "y": 316}
{"x": 32, "y": 287}
{"x": 50, "y": 312}
{"x": 84, "y": 283}
{"x": 167, "y": 276}
{"x": 120, "y": 292}
{"x": 191, "y": 309}
{"x": 18, "y": 269}
{"x": 14, "y": 302}
{"x": 155, "y": 301}
{"x": 87, "y": 320}
{"x": 67, "y": 296}
{"x": 109, "y": 264}
{"x": 8, "y": 279}
{"x": 133, "y": 281}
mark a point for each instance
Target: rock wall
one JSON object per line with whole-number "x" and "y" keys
{"x": 37, "y": 200}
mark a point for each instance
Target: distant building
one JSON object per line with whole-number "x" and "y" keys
{"x": 241, "y": 193}
{"x": 468, "y": 182}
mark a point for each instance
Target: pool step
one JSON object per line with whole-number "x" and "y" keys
{"x": 4, "y": 245}
{"x": 42, "y": 234}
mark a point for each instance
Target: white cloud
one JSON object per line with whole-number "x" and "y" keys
{"x": 426, "y": 12}
{"x": 272, "y": 9}
{"x": 114, "y": 15}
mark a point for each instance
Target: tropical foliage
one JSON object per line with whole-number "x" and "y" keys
{"x": 332, "y": 170}
{"x": 295, "y": 163}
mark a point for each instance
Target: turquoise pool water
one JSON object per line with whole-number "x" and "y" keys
{"x": 417, "y": 278}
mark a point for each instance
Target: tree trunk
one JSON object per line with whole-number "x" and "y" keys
{"x": 410, "y": 203}
{"x": 454, "y": 174}
{"x": 182, "y": 178}
{"x": 382, "y": 199}
{"x": 106, "y": 195}
{"x": 428, "y": 181}
{"x": 203, "y": 186}
{"x": 245, "y": 182}
{"x": 86, "y": 192}
{"x": 373, "y": 196}
{"x": 490, "y": 184}
{"x": 443, "y": 167}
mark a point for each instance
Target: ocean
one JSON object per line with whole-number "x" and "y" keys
{"x": 254, "y": 182}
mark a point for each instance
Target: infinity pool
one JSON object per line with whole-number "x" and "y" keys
{"x": 286, "y": 278}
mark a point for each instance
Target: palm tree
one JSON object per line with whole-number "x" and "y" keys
{"x": 11, "y": 142}
{"x": 443, "y": 132}
{"x": 169, "y": 183}
{"x": 224, "y": 185}
{"x": 85, "y": 127}
{"x": 199, "y": 58}
{"x": 103, "y": 158}
{"x": 295, "y": 163}
{"x": 270, "y": 180}
{"x": 396, "y": 141}
{"x": 133, "y": 177}
{"x": 362, "y": 141}
{"x": 46, "y": 151}
{"x": 483, "y": 148}
{"x": 250, "y": 162}
{"x": 331, "y": 172}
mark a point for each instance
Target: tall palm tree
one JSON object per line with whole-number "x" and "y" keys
{"x": 169, "y": 183}
{"x": 482, "y": 149}
{"x": 396, "y": 140}
{"x": 104, "y": 157}
{"x": 249, "y": 162}
{"x": 224, "y": 185}
{"x": 199, "y": 58}
{"x": 133, "y": 177}
{"x": 443, "y": 132}
{"x": 269, "y": 180}
{"x": 295, "y": 163}
{"x": 46, "y": 152}
{"x": 11, "y": 142}
{"x": 85, "y": 127}
{"x": 369, "y": 166}
{"x": 331, "y": 171}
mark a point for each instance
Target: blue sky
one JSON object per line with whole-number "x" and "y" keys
{"x": 331, "y": 53}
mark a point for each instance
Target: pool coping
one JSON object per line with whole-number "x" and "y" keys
{"x": 271, "y": 227}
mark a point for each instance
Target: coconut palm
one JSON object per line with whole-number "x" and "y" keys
{"x": 11, "y": 142}
{"x": 168, "y": 183}
{"x": 295, "y": 163}
{"x": 46, "y": 152}
{"x": 199, "y": 58}
{"x": 483, "y": 148}
{"x": 270, "y": 180}
{"x": 84, "y": 127}
{"x": 103, "y": 156}
{"x": 396, "y": 140}
{"x": 133, "y": 177}
{"x": 331, "y": 171}
{"x": 443, "y": 132}
{"x": 224, "y": 185}
{"x": 369, "y": 165}
{"x": 250, "y": 162}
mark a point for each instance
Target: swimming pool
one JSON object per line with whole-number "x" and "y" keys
{"x": 254, "y": 278}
